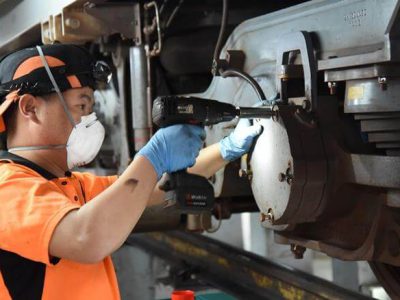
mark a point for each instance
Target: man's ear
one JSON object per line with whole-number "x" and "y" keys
{"x": 27, "y": 106}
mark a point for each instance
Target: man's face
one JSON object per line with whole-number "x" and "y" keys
{"x": 57, "y": 127}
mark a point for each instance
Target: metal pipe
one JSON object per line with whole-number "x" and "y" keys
{"x": 119, "y": 59}
{"x": 257, "y": 112}
{"x": 140, "y": 116}
{"x": 159, "y": 219}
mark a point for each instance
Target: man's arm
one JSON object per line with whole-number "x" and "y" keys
{"x": 98, "y": 228}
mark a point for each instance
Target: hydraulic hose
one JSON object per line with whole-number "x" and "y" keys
{"x": 248, "y": 78}
{"x": 218, "y": 46}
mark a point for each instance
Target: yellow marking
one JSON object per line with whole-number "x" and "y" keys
{"x": 222, "y": 261}
{"x": 261, "y": 280}
{"x": 189, "y": 249}
{"x": 355, "y": 92}
{"x": 289, "y": 292}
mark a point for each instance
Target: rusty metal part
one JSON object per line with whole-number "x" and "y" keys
{"x": 376, "y": 237}
{"x": 149, "y": 29}
{"x": 240, "y": 273}
{"x": 298, "y": 251}
{"x": 289, "y": 166}
{"x": 263, "y": 217}
{"x": 80, "y": 23}
{"x": 363, "y": 225}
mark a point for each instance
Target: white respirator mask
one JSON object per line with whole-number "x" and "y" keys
{"x": 86, "y": 137}
{"x": 85, "y": 141}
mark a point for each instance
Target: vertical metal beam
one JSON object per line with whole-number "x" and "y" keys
{"x": 119, "y": 59}
{"x": 140, "y": 120}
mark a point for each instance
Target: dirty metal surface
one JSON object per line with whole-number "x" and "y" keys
{"x": 242, "y": 274}
{"x": 271, "y": 157}
{"x": 20, "y": 21}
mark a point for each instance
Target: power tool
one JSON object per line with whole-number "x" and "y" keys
{"x": 187, "y": 192}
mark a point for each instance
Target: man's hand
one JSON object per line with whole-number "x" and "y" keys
{"x": 239, "y": 141}
{"x": 174, "y": 148}
{"x": 216, "y": 156}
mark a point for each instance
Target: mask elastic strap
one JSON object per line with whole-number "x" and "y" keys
{"x": 53, "y": 81}
{"x": 28, "y": 148}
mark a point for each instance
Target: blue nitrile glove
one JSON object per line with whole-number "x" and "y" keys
{"x": 174, "y": 148}
{"x": 239, "y": 141}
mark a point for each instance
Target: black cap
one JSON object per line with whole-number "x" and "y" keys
{"x": 23, "y": 72}
{"x": 71, "y": 65}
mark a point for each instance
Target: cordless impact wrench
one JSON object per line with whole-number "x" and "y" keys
{"x": 187, "y": 192}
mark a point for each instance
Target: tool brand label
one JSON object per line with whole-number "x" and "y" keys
{"x": 196, "y": 200}
{"x": 185, "y": 109}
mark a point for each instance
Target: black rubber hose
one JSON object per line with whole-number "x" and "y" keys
{"x": 224, "y": 21}
{"x": 248, "y": 78}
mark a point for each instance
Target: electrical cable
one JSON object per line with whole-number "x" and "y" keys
{"x": 218, "y": 46}
{"x": 173, "y": 14}
{"x": 231, "y": 72}
{"x": 248, "y": 78}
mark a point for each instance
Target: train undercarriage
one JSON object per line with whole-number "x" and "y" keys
{"x": 325, "y": 172}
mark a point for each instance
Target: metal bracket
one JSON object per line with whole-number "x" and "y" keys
{"x": 79, "y": 24}
{"x": 234, "y": 59}
{"x": 149, "y": 29}
{"x": 298, "y": 41}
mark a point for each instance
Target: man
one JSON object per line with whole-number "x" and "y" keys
{"x": 58, "y": 228}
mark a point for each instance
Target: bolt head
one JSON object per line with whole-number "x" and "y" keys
{"x": 72, "y": 23}
{"x": 297, "y": 250}
{"x": 332, "y": 84}
{"x": 281, "y": 177}
{"x": 382, "y": 80}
